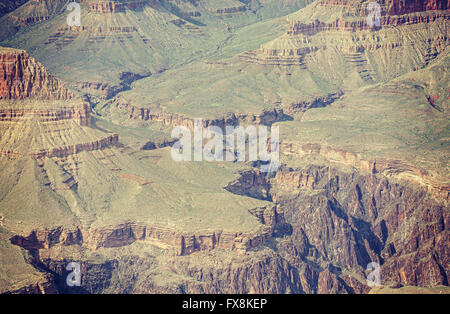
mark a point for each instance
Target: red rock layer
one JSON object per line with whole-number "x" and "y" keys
{"x": 81, "y": 113}
{"x": 125, "y": 234}
{"x": 173, "y": 119}
{"x": 22, "y": 77}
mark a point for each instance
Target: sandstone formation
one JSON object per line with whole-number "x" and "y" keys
{"x": 23, "y": 77}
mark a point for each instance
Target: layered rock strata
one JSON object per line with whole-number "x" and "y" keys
{"x": 23, "y": 77}
{"x": 182, "y": 243}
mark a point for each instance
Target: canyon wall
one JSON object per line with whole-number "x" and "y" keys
{"x": 266, "y": 117}
{"x": 23, "y": 77}
{"x": 35, "y": 101}
{"x": 386, "y": 167}
{"x": 341, "y": 24}
{"x": 349, "y": 219}
{"x": 81, "y": 113}
{"x": 399, "y": 7}
{"x": 182, "y": 243}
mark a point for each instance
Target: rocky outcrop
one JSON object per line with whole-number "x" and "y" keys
{"x": 37, "y": 103}
{"x": 30, "y": 19}
{"x": 386, "y": 167}
{"x": 267, "y": 117}
{"x": 80, "y": 113}
{"x": 103, "y": 90}
{"x": 341, "y": 24}
{"x": 44, "y": 286}
{"x": 399, "y": 7}
{"x": 22, "y": 77}
{"x": 66, "y": 35}
{"x": 158, "y": 144}
{"x": 68, "y": 150}
{"x": 182, "y": 243}
{"x": 231, "y": 10}
{"x": 303, "y": 106}
{"x": 100, "y": 29}
{"x": 8, "y": 6}
{"x": 391, "y": 7}
{"x": 107, "y": 90}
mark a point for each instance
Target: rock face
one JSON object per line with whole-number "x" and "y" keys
{"x": 80, "y": 113}
{"x": 77, "y": 148}
{"x": 351, "y": 219}
{"x": 393, "y": 7}
{"x": 230, "y": 10}
{"x": 23, "y": 77}
{"x": 34, "y": 102}
{"x": 267, "y": 117}
{"x": 385, "y": 167}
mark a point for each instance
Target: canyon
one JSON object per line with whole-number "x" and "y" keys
{"x": 86, "y": 173}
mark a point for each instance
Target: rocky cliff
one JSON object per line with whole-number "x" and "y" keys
{"x": 349, "y": 220}
{"x": 166, "y": 238}
{"x": 23, "y": 77}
